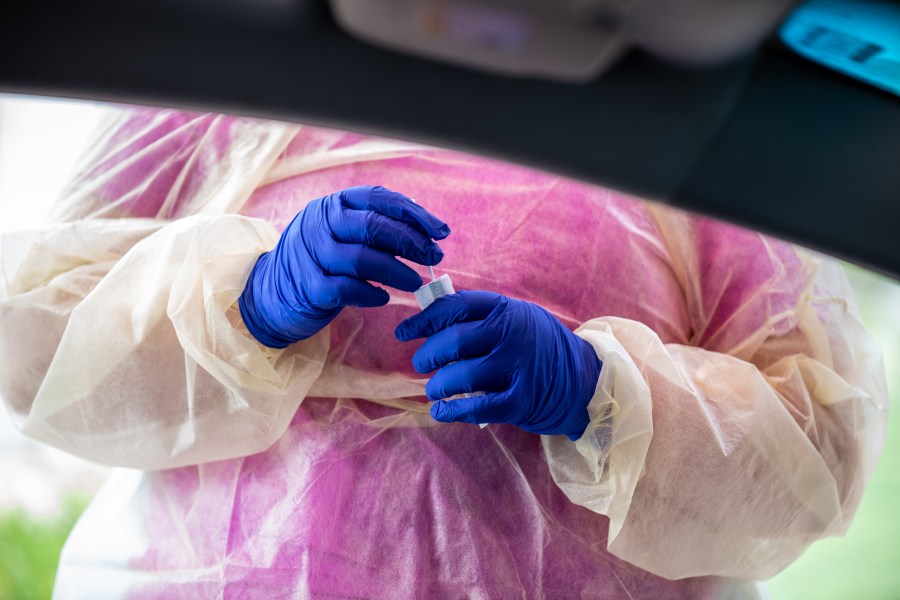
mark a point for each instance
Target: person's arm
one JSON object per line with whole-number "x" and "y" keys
{"x": 120, "y": 337}
{"x": 731, "y": 455}
{"x": 161, "y": 344}
{"x": 121, "y": 342}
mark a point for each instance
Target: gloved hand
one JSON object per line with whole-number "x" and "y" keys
{"x": 536, "y": 373}
{"x": 327, "y": 255}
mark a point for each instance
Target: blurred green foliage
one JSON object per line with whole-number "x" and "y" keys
{"x": 30, "y": 547}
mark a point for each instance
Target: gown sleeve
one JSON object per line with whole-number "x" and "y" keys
{"x": 731, "y": 454}
{"x": 120, "y": 337}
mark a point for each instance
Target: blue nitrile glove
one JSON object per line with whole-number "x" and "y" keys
{"x": 326, "y": 257}
{"x": 536, "y": 373}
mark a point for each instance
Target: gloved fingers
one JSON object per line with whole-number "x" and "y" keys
{"x": 456, "y": 308}
{"x": 457, "y": 342}
{"x": 396, "y": 206}
{"x": 368, "y": 264}
{"x": 338, "y": 291}
{"x": 384, "y": 233}
{"x": 465, "y": 377}
{"x": 487, "y": 408}
{"x": 461, "y": 410}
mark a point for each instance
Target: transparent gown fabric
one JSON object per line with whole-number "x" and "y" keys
{"x": 739, "y": 412}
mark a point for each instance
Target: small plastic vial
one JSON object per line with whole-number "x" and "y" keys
{"x": 431, "y": 291}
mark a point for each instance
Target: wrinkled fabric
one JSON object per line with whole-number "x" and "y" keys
{"x": 739, "y": 412}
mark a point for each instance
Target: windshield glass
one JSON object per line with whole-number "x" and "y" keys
{"x": 55, "y": 167}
